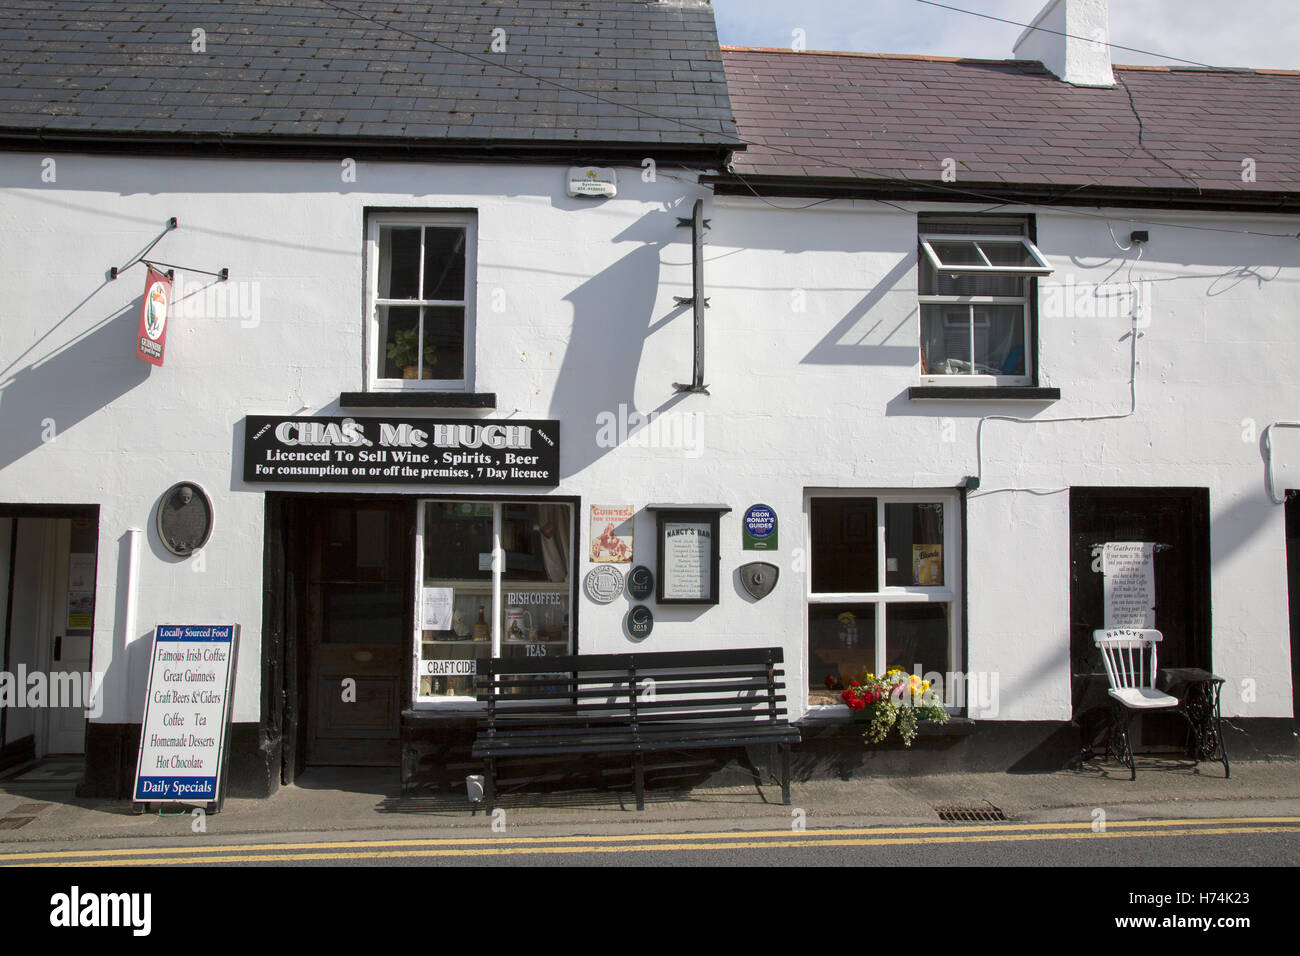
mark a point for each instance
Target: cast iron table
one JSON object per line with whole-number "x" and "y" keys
{"x": 1198, "y": 693}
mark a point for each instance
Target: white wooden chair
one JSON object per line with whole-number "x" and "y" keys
{"x": 1130, "y": 658}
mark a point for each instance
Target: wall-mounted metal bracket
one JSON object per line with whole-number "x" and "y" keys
{"x": 697, "y": 300}
{"x": 172, "y": 223}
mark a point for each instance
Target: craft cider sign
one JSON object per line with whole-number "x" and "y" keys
{"x": 186, "y": 713}
{"x": 151, "y": 340}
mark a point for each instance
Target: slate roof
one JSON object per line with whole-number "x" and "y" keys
{"x": 1011, "y": 122}
{"x": 633, "y": 71}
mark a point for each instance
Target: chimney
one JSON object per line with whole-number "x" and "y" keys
{"x": 1082, "y": 58}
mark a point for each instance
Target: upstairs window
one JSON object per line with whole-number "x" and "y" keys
{"x": 421, "y": 301}
{"x": 977, "y": 282}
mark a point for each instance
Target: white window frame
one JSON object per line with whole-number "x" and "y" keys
{"x": 497, "y": 601}
{"x": 971, "y": 302}
{"x": 373, "y": 344}
{"x": 885, "y": 595}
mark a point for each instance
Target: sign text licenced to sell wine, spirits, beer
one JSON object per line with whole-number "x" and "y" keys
{"x": 402, "y": 451}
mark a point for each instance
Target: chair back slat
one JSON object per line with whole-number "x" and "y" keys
{"x": 1129, "y": 656}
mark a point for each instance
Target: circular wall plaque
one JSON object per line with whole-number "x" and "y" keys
{"x": 640, "y": 582}
{"x": 603, "y": 584}
{"x": 640, "y": 622}
{"x": 184, "y": 518}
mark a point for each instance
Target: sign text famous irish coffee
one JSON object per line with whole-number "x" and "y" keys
{"x": 408, "y": 451}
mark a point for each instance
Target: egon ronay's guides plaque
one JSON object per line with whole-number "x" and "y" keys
{"x": 186, "y": 713}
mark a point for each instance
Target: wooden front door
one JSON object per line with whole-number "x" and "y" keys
{"x": 353, "y": 624}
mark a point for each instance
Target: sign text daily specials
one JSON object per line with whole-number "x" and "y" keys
{"x": 425, "y": 451}
{"x": 185, "y": 713}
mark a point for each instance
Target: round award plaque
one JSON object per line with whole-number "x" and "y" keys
{"x": 640, "y": 582}
{"x": 603, "y": 584}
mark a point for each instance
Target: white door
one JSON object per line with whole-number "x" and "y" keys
{"x": 70, "y": 581}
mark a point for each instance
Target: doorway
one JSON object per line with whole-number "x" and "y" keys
{"x": 1293, "y": 591}
{"x": 48, "y": 559}
{"x": 350, "y": 579}
{"x": 1176, "y": 523}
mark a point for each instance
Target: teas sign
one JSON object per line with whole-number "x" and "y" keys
{"x": 424, "y": 451}
{"x": 186, "y": 713}
{"x": 151, "y": 340}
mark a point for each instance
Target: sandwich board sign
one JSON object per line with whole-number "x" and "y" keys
{"x": 187, "y": 715}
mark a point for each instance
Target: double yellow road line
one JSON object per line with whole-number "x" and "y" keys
{"x": 496, "y": 845}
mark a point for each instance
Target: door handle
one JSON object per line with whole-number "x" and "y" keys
{"x": 58, "y": 647}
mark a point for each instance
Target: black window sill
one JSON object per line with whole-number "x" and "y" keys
{"x": 978, "y": 393}
{"x": 952, "y": 727}
{"x": 418, "y": 400}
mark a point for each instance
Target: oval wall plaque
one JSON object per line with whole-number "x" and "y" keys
{"x": 640, "y": 582}
{"x": 184, "y": 518}
{"x": 640, "y": 622}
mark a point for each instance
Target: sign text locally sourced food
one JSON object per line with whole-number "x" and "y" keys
{"x": 387, "y": 451}
{"x": 186, "y": 713}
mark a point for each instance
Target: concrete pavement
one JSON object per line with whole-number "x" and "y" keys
{"x": 33, "y": 810}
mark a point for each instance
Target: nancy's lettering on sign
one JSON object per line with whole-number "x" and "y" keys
{"x": 408, "y": 451}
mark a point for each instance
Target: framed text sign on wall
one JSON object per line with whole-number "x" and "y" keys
{"x": 688, "y": 553}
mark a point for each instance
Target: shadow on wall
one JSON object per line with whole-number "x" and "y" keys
{"x": 613, "y": 315}
{"x": 58, "y": 381}
{"x": 857, "y": 339}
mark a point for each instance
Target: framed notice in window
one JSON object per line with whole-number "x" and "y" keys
{"x": 688, "y": 558}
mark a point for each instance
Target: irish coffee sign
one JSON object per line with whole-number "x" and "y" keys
{"x": 186, "y": 713}
{"x": 407, "y": 451}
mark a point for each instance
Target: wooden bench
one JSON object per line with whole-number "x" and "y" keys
{"x": 634, "y": 704}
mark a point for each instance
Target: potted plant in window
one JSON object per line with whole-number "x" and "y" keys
{"x": 893, "y": 701}
{"x": 402, "y": 349}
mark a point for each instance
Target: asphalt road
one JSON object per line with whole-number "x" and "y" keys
{"x": 1218, "y": 842}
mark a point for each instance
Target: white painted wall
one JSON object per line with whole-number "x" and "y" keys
{"x": 816, "y": 398}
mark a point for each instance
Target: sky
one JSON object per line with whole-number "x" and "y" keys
{"x": 1240, "y": 33}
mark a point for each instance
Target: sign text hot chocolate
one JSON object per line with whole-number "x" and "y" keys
{"x": 422, "y": 451}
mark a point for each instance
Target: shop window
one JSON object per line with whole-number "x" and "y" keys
{"x": 421, "y": 301}
{"x": 977, "y": 283}
{"x": 883, "y": 587}
{"x": 470, "y": 610}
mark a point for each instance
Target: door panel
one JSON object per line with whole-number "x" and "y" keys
{"x": 352, "y": 624}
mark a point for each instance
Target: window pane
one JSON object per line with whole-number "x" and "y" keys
{"x": 844, "y": 555}
{"x": 952, "y": 253}
{"x": 444, "y": 343}
{"x": 841, "y": 642}
{"x": 914, "y": 545}
{"x": 399, "y": 262}
{"x": 999, "y": 339}
{"x": 444, "y": 263}
{"x": 457, "y": 556}
{"x": 916, "y": 637}
{"x": 535, "y": 539}
{"x": 399, "y": 342}
{"x": 945, "y": 340}
{"x": 1007, "y": 254}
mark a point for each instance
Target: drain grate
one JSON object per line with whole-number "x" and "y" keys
{"x": 27, "y": 809}
{"x": 984, "y": 814}
{"x": 13, "y": 823}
